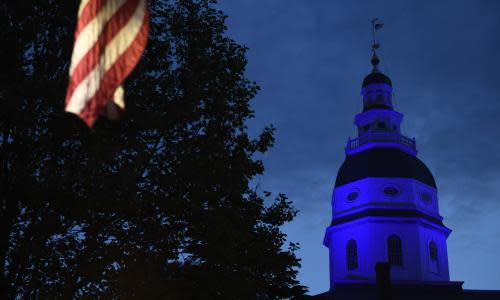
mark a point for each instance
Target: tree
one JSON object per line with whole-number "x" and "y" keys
{"x": 155, "y": 206}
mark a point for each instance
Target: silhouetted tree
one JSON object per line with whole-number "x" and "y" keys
{"x": 155, "y": 206}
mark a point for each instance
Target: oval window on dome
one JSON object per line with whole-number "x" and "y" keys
{"x": 391, "y": 191}
{"x": 352, "y": 196}
{"x": 426, "y": 198}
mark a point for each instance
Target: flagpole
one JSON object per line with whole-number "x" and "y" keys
{"x": 373, "y": 33}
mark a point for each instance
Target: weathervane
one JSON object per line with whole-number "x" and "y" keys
{"x": 376, "y": 25}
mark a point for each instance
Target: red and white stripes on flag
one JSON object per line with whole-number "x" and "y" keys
{"x": 110, "y": 38}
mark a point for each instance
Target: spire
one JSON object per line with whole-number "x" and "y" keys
{"x": 375, "y": 61}
{"x": 376, "y": 77}
{"x": 377, "y": 87}
{"x": 379, "y": 125}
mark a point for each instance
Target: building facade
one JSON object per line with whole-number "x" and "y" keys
{"x": 387, "y": 239}
{"x": 385, "y": 202}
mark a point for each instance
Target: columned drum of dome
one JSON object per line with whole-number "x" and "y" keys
{"x": 384, "y": 203}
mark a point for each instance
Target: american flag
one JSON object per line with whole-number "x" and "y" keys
{"x": 110, "y": 38}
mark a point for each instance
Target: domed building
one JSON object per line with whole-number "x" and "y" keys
{"x": 385, "y": 212}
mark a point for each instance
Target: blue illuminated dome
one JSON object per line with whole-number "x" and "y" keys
{"x": 386, "y": 236}
{"x": 384, "y": 203}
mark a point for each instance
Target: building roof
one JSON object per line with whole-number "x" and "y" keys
{"x": 445, "y": 290}
{"x": 376, "y": 77}
{"x": 383, "y": 162}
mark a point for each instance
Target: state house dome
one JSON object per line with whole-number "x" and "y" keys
{"x": 383, "y": 162}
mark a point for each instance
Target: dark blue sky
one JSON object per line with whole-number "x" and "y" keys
{"x": 443, "y": 57}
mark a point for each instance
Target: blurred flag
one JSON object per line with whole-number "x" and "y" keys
{"x": 110, "y": 38}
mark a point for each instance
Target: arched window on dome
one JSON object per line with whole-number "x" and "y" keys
{"x": 352, "y": 255}
{"x": 395, "y": 250}
{"x": 434, "y": 259}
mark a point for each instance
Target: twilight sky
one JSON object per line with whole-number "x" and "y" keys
{"x": 443, "y": 56}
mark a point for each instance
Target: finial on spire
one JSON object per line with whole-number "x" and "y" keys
{"x": 376, "y": 25}
{"x": 375, "y": 61}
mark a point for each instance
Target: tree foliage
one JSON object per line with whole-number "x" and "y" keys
{"x": 155, "y": 206}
